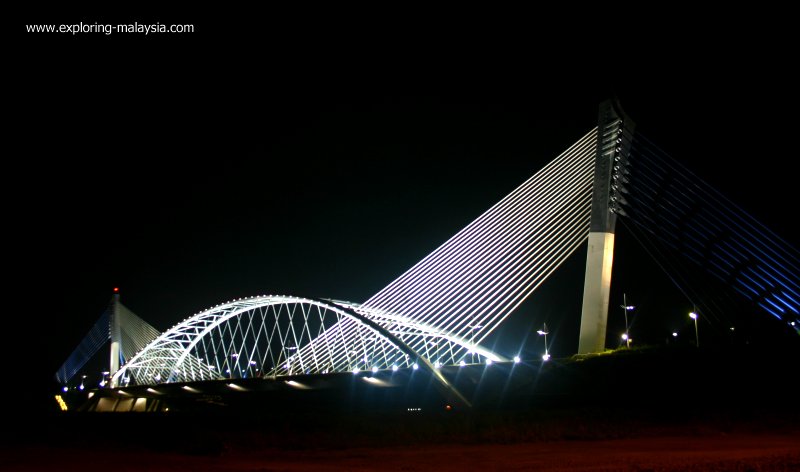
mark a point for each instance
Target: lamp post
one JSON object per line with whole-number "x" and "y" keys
{"x": 472, "y": 341}
{"x": 544, "y": 332}
{"x": 435, "y": 345}
{"x": 233, "y": 367}
{"x": 289, "y": 358}
{"x": 694, "y": 316}
{"x": 625, "y": 309}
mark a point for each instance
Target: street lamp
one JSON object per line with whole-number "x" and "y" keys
{"x": 693, "y": 316}
{"x": 472, "y": 349}
{"x": 625, "y": 309}
{"x": 289, "y": 358}
{"x": 544, "y": 332}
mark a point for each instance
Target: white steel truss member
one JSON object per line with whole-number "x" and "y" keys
{"x": 437, "y": 346}
{"x": 263, "y": 337}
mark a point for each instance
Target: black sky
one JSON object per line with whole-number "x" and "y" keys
{"x": 307, "y": 156}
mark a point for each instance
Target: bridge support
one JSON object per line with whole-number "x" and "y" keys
{"x": 614, "y": 135}
{"x": 116, "y": 337}
{"x": 596, "y": 288}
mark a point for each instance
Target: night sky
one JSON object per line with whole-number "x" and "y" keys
{"x": 309, "y": 157}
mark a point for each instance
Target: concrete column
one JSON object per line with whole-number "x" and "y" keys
{"x": 116, "y": 336}
{"x": 614, "y": 137}
{"x": 596, "y": 288}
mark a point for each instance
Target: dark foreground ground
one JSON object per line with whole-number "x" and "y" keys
{"x": 697, "y": 451}
{"x": 582, "y": 438}
{"x": 658, "y": 411}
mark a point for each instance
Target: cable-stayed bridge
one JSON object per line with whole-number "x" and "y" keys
{"x": 440, "y": 311}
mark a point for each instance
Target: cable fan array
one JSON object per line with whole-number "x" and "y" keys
{"x": 443, "y": 306}
{"x": 669, "y": 204}
{"x": 135, "y": 334}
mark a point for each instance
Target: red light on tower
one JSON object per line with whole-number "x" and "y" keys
{"x": 116, "y": 289}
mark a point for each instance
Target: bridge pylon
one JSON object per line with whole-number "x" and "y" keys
{"x": 127, "y": 333}
{"x": 614, "y": 135}
{"x": 115, "y": 335}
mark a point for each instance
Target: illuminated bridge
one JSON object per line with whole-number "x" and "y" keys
{"x": 439, "y": 311}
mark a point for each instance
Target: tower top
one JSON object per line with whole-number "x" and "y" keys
{"x": 614, "y": 135}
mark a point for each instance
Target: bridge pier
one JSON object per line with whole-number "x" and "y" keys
{"x": 116, "y": 336}
{"x": 614, "y": 135}
{"x": 596, "y": 289}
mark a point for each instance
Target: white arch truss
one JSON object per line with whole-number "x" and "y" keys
{"x": 265, "y": 336}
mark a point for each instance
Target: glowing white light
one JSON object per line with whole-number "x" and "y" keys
{"x": 674, "y": 334}
{"x": 374, "y": 369}
{"x": 693, "y": 315}
{"x": 454, "y": 277}
{"x": 437, "y": 364}
{"x": 394, "y": 368}
{"x": 296, "y": 384}
{"x": 517, "y": 360}
{"x": 376, "y": 382}
{"x": 462, "y": 363}
{"x": 415, "y": 366}
{"x": 545, "y": 357}
{"x": 486, "y": 270}
{"x": 488, "y": 361}
{"x": 65, "y": 388}
{"x": 624, "y": 336}
{"x": 356, "y": 370}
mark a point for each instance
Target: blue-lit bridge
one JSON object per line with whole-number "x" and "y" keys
{"x": 438, "y": 313}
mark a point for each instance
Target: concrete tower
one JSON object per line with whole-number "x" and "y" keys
{"x": 614, "y": 136}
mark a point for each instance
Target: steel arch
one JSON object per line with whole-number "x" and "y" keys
{"x": 168, "y": 358}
